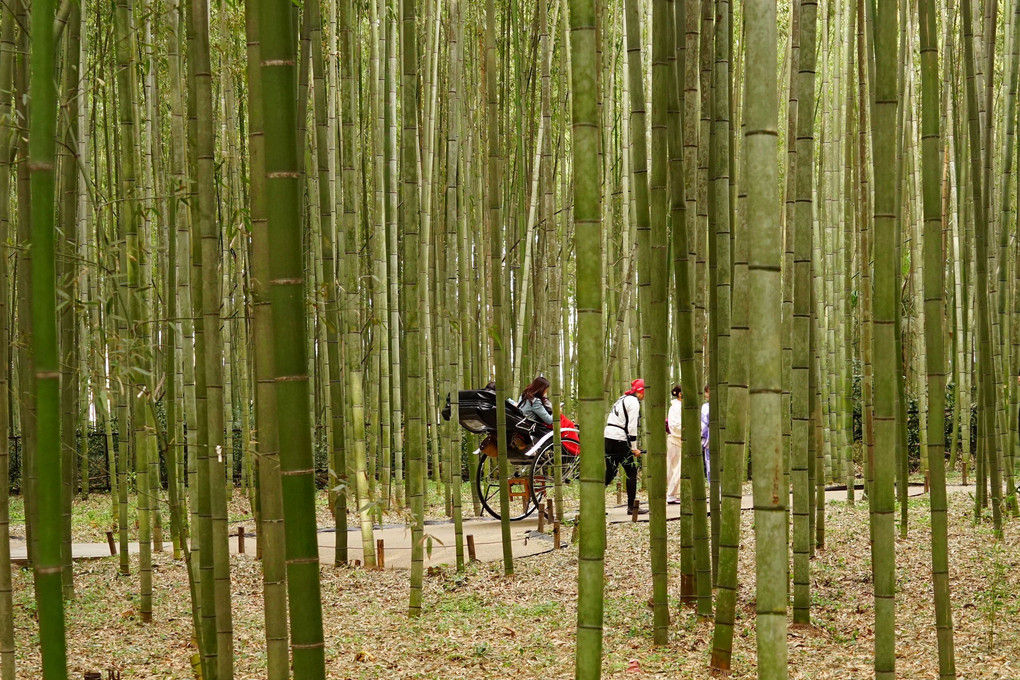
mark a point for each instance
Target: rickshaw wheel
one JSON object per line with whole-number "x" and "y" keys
{"x": 522, "y": 501}
{"x": 542, "y": 472}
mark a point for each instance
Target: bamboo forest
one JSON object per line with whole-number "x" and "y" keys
{"x": 472, "y": 339}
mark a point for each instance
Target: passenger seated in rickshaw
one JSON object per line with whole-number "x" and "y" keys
{"x": 534, "y": 402}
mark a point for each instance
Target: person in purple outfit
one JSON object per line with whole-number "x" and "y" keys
{"x": 704, "y": 434}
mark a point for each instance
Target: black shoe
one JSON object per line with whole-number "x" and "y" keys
{"x": 637, "y": 509}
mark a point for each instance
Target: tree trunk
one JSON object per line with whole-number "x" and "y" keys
{"x": 42, "y": 155}
{"x": 286, "y": 291}
{"x": 588, "y": 230}
{"x": 934, "y": 331}
{"x": 761, "y": 123}
{"x": 802, "y": 313}
{"x": 886, "y": 359}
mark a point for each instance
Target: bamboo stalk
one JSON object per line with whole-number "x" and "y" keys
{"x": 42, "y": 154}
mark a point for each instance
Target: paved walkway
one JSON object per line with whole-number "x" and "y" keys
{"x": 485, "y": 533}
{"x": 79, "y": 551}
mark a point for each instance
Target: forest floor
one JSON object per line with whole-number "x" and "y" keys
{"x": 481, "y": 625}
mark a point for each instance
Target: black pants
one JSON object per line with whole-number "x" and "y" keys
{"x": 618, "y": 453}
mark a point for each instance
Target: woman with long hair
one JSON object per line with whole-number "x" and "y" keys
{"x": 673, "y": 445}
{"x": 534, "y": 401}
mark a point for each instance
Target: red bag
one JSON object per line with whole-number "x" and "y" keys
{"x": 571, "y": 440}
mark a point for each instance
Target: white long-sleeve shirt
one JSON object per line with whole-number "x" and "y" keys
{"x": 675, "y": 418}
{"x": 622, "y": 423}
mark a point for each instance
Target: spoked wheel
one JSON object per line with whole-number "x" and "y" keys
{"x": 522, "y": 501}
{"x": 542, "y": 474}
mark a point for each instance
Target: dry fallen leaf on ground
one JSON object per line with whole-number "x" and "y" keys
{"x": 493, "y": 628}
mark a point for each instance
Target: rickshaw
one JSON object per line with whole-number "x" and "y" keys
{"x": 529, "y": 448}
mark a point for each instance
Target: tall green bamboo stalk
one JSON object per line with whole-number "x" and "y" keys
{"x": 25, "y": 377}
{"x": 789, "y": 221}
{"x": 931, "y": 149}
{"x": 271, "y": 528}
{"x": 410, "y": 229}
{"x": 706, "y": 281}
{"x": 286, "y": 291}
{"x": 761, "y": 128}
{"x": 591, "y": 408}
{"x": 185, "y": 359}
{"x": 864, "y": 216}
{"x": 352, "y": 344}
{"x": 392, "y": 180}
{"x": 380, "y": 298}
{"x": 984, "y": 232}
{"x": 127, "y": 218}
{"x": 733, "y": 463}
{"x": 7, "y": 57}
{"x": 802, "y": 316}
{"x": 657, "y": 319}
{"x": 902, "y": 461}
{"x": 214, "y": 552}
{"x": 849, "y": 223}
{"x": 326, "y": 201}
{"x": 455, "y": 267}
{"x": 499, "y": 327}
{"x": 68, "y": 216}
{"x": 171, "y": 440}
{"x": 682, "y": 128}
{"x": 884, "y": 354}
{"x": 208, "y": 643}
{"x": 1008, "y": 336}
{"x": 639, "y": 179}
{"x": 720, "y": 236}
{"x": 42, "y": 155}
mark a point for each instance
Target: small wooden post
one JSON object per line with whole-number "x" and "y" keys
{"x": 472, "y": 557}
{"x": 541, "y": 520}
{"x": 574, "y": 532}
{"x": 240, "y": 540}
{"x": 556, "y": 534}
{"x": 113, "y": 544}
{"x": 619, "y": 493}
{"x": 634, "y": 513}
{"x": 380, "y": 553}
